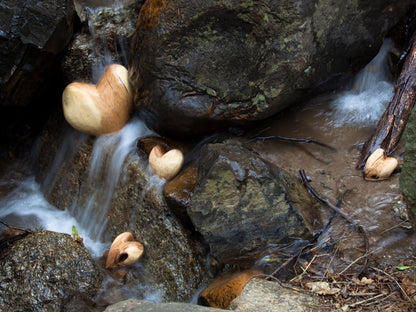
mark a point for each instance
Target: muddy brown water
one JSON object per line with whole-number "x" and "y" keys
{"x": 377, "y": 206}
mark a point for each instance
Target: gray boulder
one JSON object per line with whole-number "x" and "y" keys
{"x": 198, "y": 66}
{"x": 242, "y": 203}
{"x": 45, "y": 271}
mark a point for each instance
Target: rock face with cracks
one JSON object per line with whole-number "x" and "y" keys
{"x": 32, "y": 35}
{"x": 241, "y": 204}
{"x": 198, "y": 66}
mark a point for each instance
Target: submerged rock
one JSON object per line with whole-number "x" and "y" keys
{"x": 408, "y": 172}
{"x": 45, "y": 271}
{"x": 242, "y": 203}
{"x": 198, "y": 66}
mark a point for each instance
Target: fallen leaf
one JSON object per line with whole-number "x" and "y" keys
{"x": 322, "y": 288}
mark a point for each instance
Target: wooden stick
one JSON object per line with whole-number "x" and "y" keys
{"x": 392, "y": 123}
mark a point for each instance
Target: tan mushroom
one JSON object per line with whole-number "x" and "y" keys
{"x": 165, "y": 165}
{"x": 379, "y": 166}
{"x": 99, "y": 109}
{"x": 124, "y": 251}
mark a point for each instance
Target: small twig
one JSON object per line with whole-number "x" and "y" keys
{"x": 281, "y": 138}
{"x": 397, "y": 283}
{"x": 358, "y": 259}
{"x": 347, "y": 306}
{"x": 358, "y": 227}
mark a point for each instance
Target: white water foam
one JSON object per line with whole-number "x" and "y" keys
{"x": 26, "y": 207}
{"x": 372, "y": 90}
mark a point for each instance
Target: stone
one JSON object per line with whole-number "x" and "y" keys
{"x": 225, "y": 288}
{"x": 123, "y": 251}
{"x": 408, "y": 170}
{"x": 165, "y": 164}
{"x": 263, "y": 296}
{"x": 379, "y": 166}
{"x": 198, "y": 67}
{"x": 46, "y": 270}
{"x": 100, "y": 109}
{"x": 133, "y": 305}
{"x": 242, "y": 203}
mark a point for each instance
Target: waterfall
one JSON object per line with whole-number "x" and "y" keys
{"x": 110, "y": 158}
{"x": 371, "y": 92}
{"x": 26, "y": 206}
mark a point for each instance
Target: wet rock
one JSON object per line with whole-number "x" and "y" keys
{"x": 203, "y": 66}
{"x": 175, "y": 261}
{"x": 408, "y": 172}
{"x": 261, "y": 296}
{"x": 109, "y": 27}
{"x": 242, "y": 203}
{"x": 143, "y": 306}
{"x": 32, "y": 34}
{"x": 45, "y": 271}
{"x": 179, "y": 191}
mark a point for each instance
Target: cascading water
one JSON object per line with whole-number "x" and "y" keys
{"x": 110, "y": 157}
{"x": 372, "y": 90}
{"x": 26, "y": 205}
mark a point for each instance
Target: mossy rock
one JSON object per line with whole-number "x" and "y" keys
{"x": 408, "y": 173}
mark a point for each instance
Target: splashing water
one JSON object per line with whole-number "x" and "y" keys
{"x": 364, "y": 104}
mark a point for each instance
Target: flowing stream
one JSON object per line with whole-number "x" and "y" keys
{"x": 342, "y": 120}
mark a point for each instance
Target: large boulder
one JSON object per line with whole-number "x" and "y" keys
{"x": 32, "y": 35}
{"x": 242, "y": 204}
{"x": 408, "y": 172}
{"x": 196, "y": 66}
{"x": 45, "y": 271}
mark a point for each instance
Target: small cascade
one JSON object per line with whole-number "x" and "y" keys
{"x": 371, "y": 92}
{"x": 110, "y": 158}
{"x": 26, "y": 205}
{"x": 101, "y": 50}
